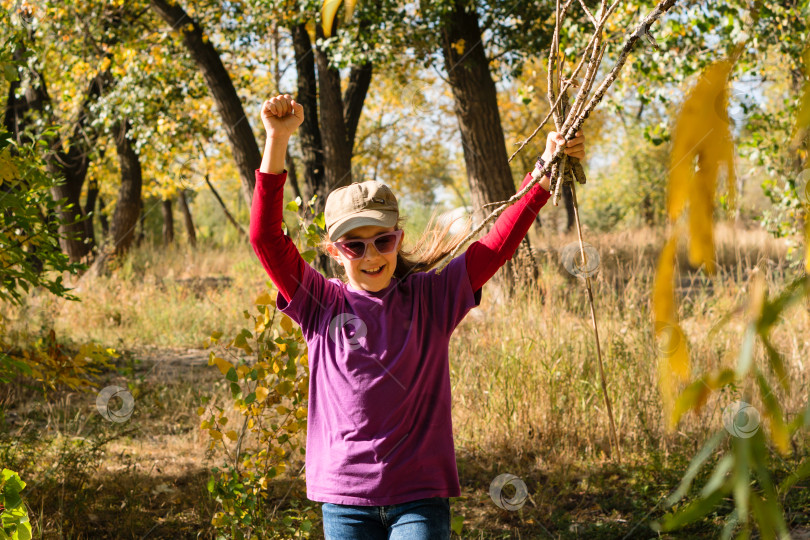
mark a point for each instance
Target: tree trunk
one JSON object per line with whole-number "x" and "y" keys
{"x": 129, "y": 205}
{"x": 90, "y": 210}
{"x": 187, "y": 220}
{"x": 71, "y": 165}
{"x": 353, "y": 99}
{"x": 327, "y": 134}
{"x": 243, "y": 143}
{"x": 102, "y": 218}
{"x": 168, "y": 222}
{"x": 309, "y": 133}
{"x": 337, "y": 154}
{"x": 482, "y": 138}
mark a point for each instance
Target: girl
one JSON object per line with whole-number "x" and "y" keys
{"x": 379, "y": 451}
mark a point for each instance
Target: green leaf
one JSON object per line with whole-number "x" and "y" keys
{"x": 231, "y": 375}
{"x": 320, "y": 220}
{"x": 691, "y": 512}
{"x": 718, "y": 478}
{"x": 746, "y": 351}
{"x": 779, "y": 430}
{"x": 456, "y": 524}
{"x": 694, "y": 467}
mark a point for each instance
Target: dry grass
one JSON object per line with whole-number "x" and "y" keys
{"x": 526, "y": 391}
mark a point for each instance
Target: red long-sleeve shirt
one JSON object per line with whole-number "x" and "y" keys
{"x": 283, "y": 263}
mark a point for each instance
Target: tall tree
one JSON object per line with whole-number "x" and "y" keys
{"x": 236, "y": 123}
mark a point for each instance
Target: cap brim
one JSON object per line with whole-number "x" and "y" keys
{"x": 362, "y": 219}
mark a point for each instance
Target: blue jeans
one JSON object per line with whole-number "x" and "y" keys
{"x": 424, "y": 519}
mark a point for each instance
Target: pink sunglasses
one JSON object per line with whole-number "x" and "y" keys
{"x": 383, "y": 243}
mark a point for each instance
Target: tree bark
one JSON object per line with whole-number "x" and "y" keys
{"x": 353, "y": 99}
{"x": 482, "y": 138}
{"x": 337, "y": 154}
{"x": 90, "y": 210}
{"x": 168, "y": 221}
{"x": 309, "y": 133}
{"x": 243, "y": 142}
{"x": 129, "y": 205}
{"x": 76, "y": 228}
{"x": 187, "y": 219}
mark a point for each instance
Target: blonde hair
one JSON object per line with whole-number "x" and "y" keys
{"x": 430, "y": 249}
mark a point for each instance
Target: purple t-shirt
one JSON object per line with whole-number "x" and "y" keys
{"x": 379, "y": 429}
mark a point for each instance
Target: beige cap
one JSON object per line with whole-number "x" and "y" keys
{"x": 358, "y": 205}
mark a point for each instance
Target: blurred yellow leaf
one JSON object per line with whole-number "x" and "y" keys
{"x": 223, "y": 365}
{"x": 348, "y": 10}
{"x": 232, "y": 435}
{"x": 803, "y": 119}
{"x": 265, "y": 299}
{"x": 8, "y": 169}
{"x": 215, "y": 434}
{"x": 702, "y": 134}
{"x": 261, "y": 393}
{"x": 807, "y": 243}
{"x": 286, "y": 324}
{"x": 310, "y": 27}
{"x": 459, "y": 46}
{"x": 674, "y": 362}
{"x": 328, "y": 12}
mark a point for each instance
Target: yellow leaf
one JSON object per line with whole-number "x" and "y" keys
{"x": 310, "y": 27}
{"x": 265, "y": 299}
{"x": 328, "y": 11}
{"x": 8, "y": 169}
{"x": 232, "y": 435}
{"x": 215, "y": 434}
{"x": 261, "y": 393}
{"x": 223, "y": 365}
{"x": 281, "y": 409}
{"x": 286, "y": 324}
{"x": 459, "y": 46}
{"x": 803, "y": 119}
{"x": 673, "y": 366}
{"x": 301, "y": 413}
{"x": 702, "y": 134}
{"x": 200, "y": 411}
{"x": 701, "y": 207}
{"x": 348, "y": 9}
{"x": 242, "y": 370}
{"x": 807, "y": 243}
